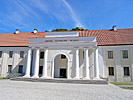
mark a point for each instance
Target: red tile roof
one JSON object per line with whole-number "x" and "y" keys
{"x": 104, "y": 37}
{"x": 110, "y": 37}
{"x": 20, "y": 39}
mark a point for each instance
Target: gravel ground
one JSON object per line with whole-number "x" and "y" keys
{"x": 18, "y": 90}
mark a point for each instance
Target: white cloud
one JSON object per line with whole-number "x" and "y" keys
{"x": 74, "y": 17}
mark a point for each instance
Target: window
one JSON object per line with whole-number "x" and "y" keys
{"x": 110, "y": 54}
{"x": 41, "y": 55}
{"x": 40, "y": 69}
{"x": 0, "y": 54}
{"x": 20, "y": 69}
{"x": 63, "y": 57}
{"x": 10, "y": 54}
{"x": 9, "y": 68}
{"x": 83, "y": 54}
{"x": 125, "y": 53}
{"x": 126, "y": 71}
{"x": 111, "y": 70}
{"x": 21, "y": 54}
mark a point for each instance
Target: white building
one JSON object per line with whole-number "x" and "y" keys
{"x": 92, "y": 54}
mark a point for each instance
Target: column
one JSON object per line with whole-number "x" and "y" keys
{"x": 36, "y": 66}
{"x": 4, "y": 64}
{"x": 15, "y": 61}
{"x": 131, "y": 52}
{"x": 118, "y": 65}
{"x": 76, "y": 63}
{"x": 86, "y": 64}
{"x": 28, "y": 64}
{"x": 44, "y": 73}
{"x": 96, "y": 63}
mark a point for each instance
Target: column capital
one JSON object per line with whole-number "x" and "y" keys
{"x": 37, "y": 47}
{"x": 76, "y": 47}
{"x": 45, "y": 47}
{"x": 29, "y": 47}
{"x": 96, "y": 47}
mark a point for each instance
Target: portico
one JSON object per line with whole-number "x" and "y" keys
{"x": 80, "y": 56}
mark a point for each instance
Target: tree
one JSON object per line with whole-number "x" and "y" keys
{"x": 57, "y": 30}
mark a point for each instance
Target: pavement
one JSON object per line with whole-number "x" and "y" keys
{"x": 125, "y": 85}
{"x": 22, "y": 90}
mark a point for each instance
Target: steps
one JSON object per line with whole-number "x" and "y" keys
{"x": 60, "y": 80}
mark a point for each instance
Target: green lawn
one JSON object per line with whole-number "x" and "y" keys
{"x": 3, "y": 78}
{"x": 122, "y": 83}
{"x": 129, "y": 88}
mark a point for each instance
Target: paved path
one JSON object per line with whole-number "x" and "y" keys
{"x": 125, "y": 85}
{"x": 17, "y": 90}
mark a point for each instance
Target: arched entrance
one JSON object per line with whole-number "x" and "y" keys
{"x": 68, "y": 59}
{"x": 60, "y": 66}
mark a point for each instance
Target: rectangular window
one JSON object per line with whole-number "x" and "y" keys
{"x": 110, "y": 54}
{"x": 10, "y": 54}
{"x": 126, "y": 71}
{"x": 9, "y": 68}
{"x": 83, "y": 54}
{"x": 41, "y": 55}
{"x": 21, "y": 54}
{"x": 20, "y": 69}
{"x": 40, "y": 69}
{"x": 0, "y": 54}
{"x": 63, "y": 57}
{"x": 111, "y": 70}
{"x": 125, "y": 53}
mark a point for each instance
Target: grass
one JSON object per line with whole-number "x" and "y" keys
{"x": 129, "y": 88}
{"x": 122, "y": 83}
{"x": 3, "y": 78}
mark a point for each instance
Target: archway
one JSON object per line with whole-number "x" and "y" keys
{"x": 60, "y": 66}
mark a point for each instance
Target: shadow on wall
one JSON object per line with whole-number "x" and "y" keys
{"x": 14, "y": 72}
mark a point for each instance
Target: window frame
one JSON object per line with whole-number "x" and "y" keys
{"x": 42, "y": 55}
{"x": 1, "y": 54}
{"x": 110, "y": 56}
{"x": 19, "y": 69}
{"x": 112, "y": 72}
{"x": 10, "y": 69}
{"x": 63, "y": 56}
{"x": 20, "y": 54}
{"x": 10, "y": 56}
{"x": 124, "y": 71}
{"x": 123, "y": 56}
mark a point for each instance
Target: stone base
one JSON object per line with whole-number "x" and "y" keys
{"x": 35, "y": 77}
{"x": 26, "y": 76}
{"x": 61, "y": 80}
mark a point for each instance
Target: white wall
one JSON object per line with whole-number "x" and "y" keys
{"x": 15, "y": 61}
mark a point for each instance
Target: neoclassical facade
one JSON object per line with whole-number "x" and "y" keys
{"x": 65, "y": 55}
{"x": 93, "y": 54}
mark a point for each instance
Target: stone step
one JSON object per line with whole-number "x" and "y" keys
{"x": 60, "y": 80}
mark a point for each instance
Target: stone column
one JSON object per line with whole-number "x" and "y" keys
{"x": 28, "y": 64}
{"x": 86, "y": 64}
{"x": 44, "y": 73}
{"x": 131, "y": 52}
{"x": 118, "y": 65}
{"x": 96, "y": 63}
{"x": 36, "y": 66}
{"x": 15, "y": 61}
{"x": 4, "y": 63}
{"x": 76, "y": 63}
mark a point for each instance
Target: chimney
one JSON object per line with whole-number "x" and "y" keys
{"x": 114, "y": 28}
{"x": 17, "y": 31}
{"x": 35, "y": 30}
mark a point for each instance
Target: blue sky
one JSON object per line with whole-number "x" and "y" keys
{"x": 27, "y": 15}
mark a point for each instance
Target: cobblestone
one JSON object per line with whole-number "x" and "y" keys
{"x": 19, "y": 90}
